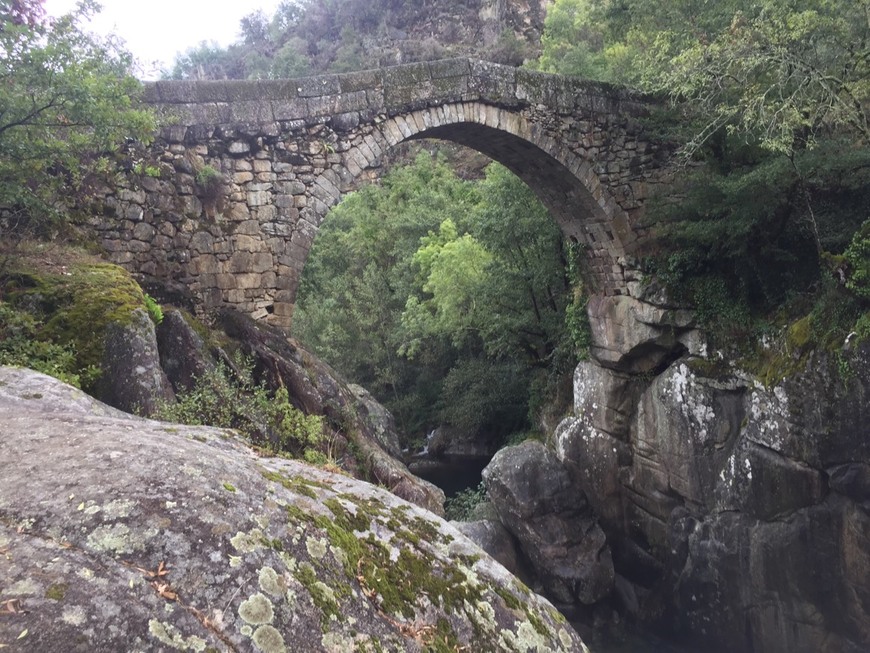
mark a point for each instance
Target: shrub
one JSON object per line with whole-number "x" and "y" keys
{"x": 211, "y": 184}
{"x": 857, "y": 255}
{"x": 460, "y": 507}
{"x": 20, "y": 346}
{"x": 230, "y": 398}
{"x": 155, "y": 312}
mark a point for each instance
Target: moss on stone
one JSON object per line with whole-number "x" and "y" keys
{"x": 709, "y": 368}
{"x": 357, "y": 521}
{"x": 297, "y": 484}
{"x": 509, "y": 599}
{"x": 57, "y": 592}
{"x": 799, "y": 334}
{"x": 443, "y": 639}
{"x": 321, "y": 594}
{"x": 399, "y": 575}
{"x": 79, "y": 306}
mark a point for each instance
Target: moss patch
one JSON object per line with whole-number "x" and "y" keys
{"x": 78, "y": 306}
{"x": 298, "y": 484}
{"x": 57, "y": 592}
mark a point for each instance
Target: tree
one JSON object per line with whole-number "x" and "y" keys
{"x": 359, "y": 275}
{"x": 24, "y": 12}
{"x": 428, "y": 286}
{"x": 781, "y": 72}
{"x": 66, "y": 103}
{"x": 453, "y": 269}
{"x": 208, "y": 61}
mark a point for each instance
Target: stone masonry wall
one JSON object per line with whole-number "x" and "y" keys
{"x": 286, "y": 150}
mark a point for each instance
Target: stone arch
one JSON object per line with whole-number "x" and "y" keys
{"x": 566, "y": 183}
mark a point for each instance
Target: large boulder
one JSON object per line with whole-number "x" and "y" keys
{"x": 557, "y": 530}
{"x": 184, "y": 355}
{"x": 452, "y": 443}
{"x": 593, "y": 443}
{"x": 132, "y": 379}
{"x": 119, "y": 533}
{"x": 496, "y": 540}
{"x": 380, "y": 422}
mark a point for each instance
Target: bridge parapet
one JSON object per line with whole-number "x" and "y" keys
{"x": 390, "y": 91}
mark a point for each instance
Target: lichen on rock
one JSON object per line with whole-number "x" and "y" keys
{"x": 316, "y": 563}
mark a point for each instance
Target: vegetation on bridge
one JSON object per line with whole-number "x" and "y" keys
{"x": 773, "y": 97}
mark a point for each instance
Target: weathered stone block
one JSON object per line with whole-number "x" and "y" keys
{"x": 239, "y": 147}
{"x": 258, "y": 198}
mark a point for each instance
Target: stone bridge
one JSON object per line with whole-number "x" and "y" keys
{"x": 225, "y": 204}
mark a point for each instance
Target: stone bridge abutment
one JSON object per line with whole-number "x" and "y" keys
{"x": 226, "y": 203}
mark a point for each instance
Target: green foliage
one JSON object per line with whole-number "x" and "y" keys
{"x": 75, "y": 309}
{"x": 491, "y": 398}
{"x": 21, "y": 346}
{"x": 146, "y": 170}
{"x": 577, "y": 329}
{"x": 229, "y": 398}
{"x": 452, "y": 270}
{"x": 508, "y": 49}
{"x": 360, "y": 273}
{"x": 444, "y": 297}
{"x": 461, "y": 506}
{"x": 779, "y": 72}
{"x": 208, "y": 61}
{"x": 66, "y": 101}
{"x": 744, "y": 239}
{"x": 573, "y": 40}
{"x": 207, "y": 177}
{"x": 857, "y": 257}
{"x": 155, "y": 312}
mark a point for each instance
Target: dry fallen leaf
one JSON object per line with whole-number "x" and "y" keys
{"x": 161, "y": 571}
{"x": 12, "y": 606}
{"x": 164, "y": 590}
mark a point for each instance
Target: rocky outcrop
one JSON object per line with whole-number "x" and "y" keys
{"x": 184, "y": 355}
{"x": 378, "y": 420}
{"x": 142, "y": 370}
{"x": 132, "y": 378}
{"x": 450, "y": 442}
{"x": 738, "y": 513}
{"x": 120, "y": 533}
{"x": 316, "y": 389}
{"x": 556, "y": 529}
{"x": 639, "y": 337}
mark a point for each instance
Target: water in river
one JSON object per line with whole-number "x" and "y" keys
{"x": 451, "y": 474}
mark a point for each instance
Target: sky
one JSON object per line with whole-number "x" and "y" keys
{"x": 156, "y": 30}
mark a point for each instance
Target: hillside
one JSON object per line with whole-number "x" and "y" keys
{"x": 343, "y": 35}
